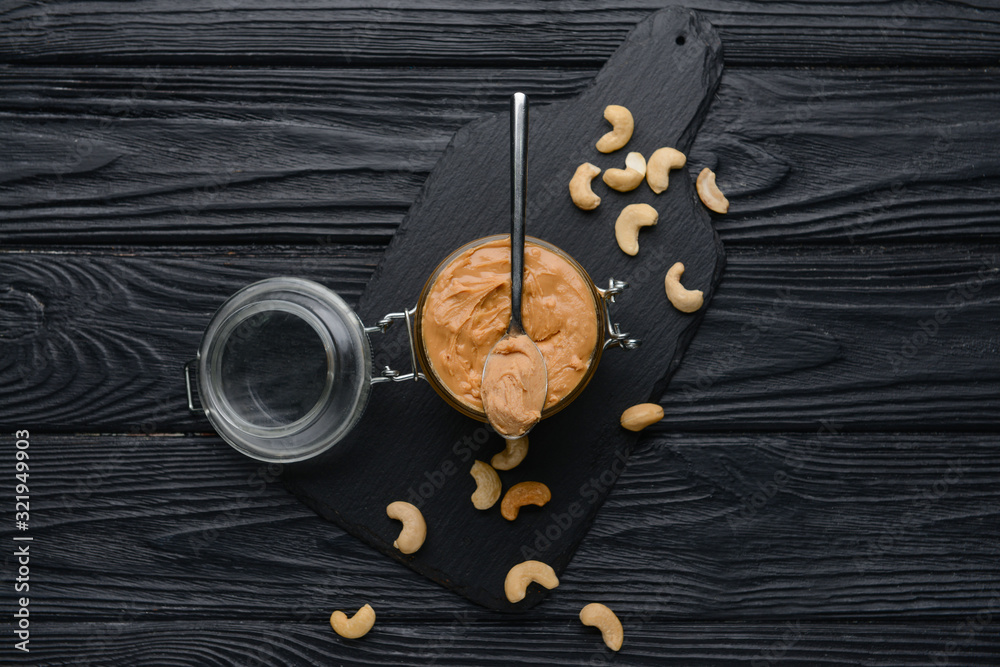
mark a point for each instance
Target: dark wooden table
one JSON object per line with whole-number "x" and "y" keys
{"x": 825, "y": 488}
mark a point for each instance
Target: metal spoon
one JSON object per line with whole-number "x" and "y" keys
{"x": 518, "y": 185}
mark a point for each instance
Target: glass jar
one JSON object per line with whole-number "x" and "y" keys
{"x": 284, "y": 369}
{"x": 598, "y": 295}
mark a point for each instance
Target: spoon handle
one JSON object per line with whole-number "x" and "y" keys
{"x": 518, "y": 186}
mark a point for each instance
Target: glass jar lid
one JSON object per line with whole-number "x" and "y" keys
{"x": 284, "y": 369}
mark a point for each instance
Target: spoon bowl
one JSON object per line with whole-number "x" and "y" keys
{"x": 515, "y": 385}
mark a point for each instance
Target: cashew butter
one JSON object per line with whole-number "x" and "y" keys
{"x": 513, "y": 391}
{"x": 467, "y": 311}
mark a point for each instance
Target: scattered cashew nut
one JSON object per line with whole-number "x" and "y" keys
{"x": 629, "y": 178}
{"x": 414, "y": 530}
{"x": 355, "y": 626}
{"x": 599, "y": 616}
{"x": 487, "y": 486}
{"x": 621, "y": 120}
{"x": 684, "y": 300}
{"x": 658, "y": 168}
{"x": 710, "y": 194}
{"x": 628, "y": 223}
{"x": 525, "y": 493}
{"x": 640, "y": 416}
{"x": 512, "y": 455}
{"x": 522, "y": 574}
{"x": 579, "y": 187}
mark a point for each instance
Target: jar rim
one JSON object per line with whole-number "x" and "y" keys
{"x": 434, "y": 379}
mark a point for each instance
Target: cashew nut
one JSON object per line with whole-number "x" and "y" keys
{"x": 621, "y": 120}
{"x": 522, "y": 574}
{"x": 525, "y": 493}
{"x": 640, "y": 416}
{"x": 512, "y": 455}
{"x": 629, "y": 178}
{"x": 579, "y": 187}
{"x": 355, "y": 626}
{"x": 628, "y": 223}
{"x": 710, "y": 194}
{"x": 599, "y": 616}
{"x": 487, "y": 486}
{"x": 414, "y": 527}
{"x": 658, "y": 168}
{"x": 684, "y": 300}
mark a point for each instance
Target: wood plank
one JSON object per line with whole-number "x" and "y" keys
{"x": 158, "y": 156}
{"x": 835, "y": 156}
{"x": 100, "y": 337}
{"x": 781, "y": 527}
{"x": 461, "y": 640}
{"x": 869, "y": 338}
{"x": 95, "y": 339}
{"x": 448, "y": 32}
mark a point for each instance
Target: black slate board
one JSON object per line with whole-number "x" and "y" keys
{"x": 410, "y": 445}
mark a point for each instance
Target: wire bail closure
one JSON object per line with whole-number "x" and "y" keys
{"x": 616, "y": 337}
{"x": 388, "y": 374}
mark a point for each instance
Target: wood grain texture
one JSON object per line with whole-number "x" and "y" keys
{"x": 888, "y": 333}
{"x": 710, "y": 528}
{"x": 73, "y": 322}
{"x": 451, "y": 32}
{"x": 112, "y": 155}
{"x": 463, "y": 641}
{"x": 847, "y": 156}
{"x": 95, "y": 339}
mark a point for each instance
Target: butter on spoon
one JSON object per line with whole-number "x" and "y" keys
{"x": 515, "y": 381}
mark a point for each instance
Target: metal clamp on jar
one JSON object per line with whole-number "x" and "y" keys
{"x": 285, "y": 367}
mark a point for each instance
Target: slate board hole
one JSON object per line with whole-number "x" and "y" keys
{"x": 680, "y": 40}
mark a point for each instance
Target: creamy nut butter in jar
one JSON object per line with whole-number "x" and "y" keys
{"x": 464, "y": 310}
{"x": 284, "y": 369}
